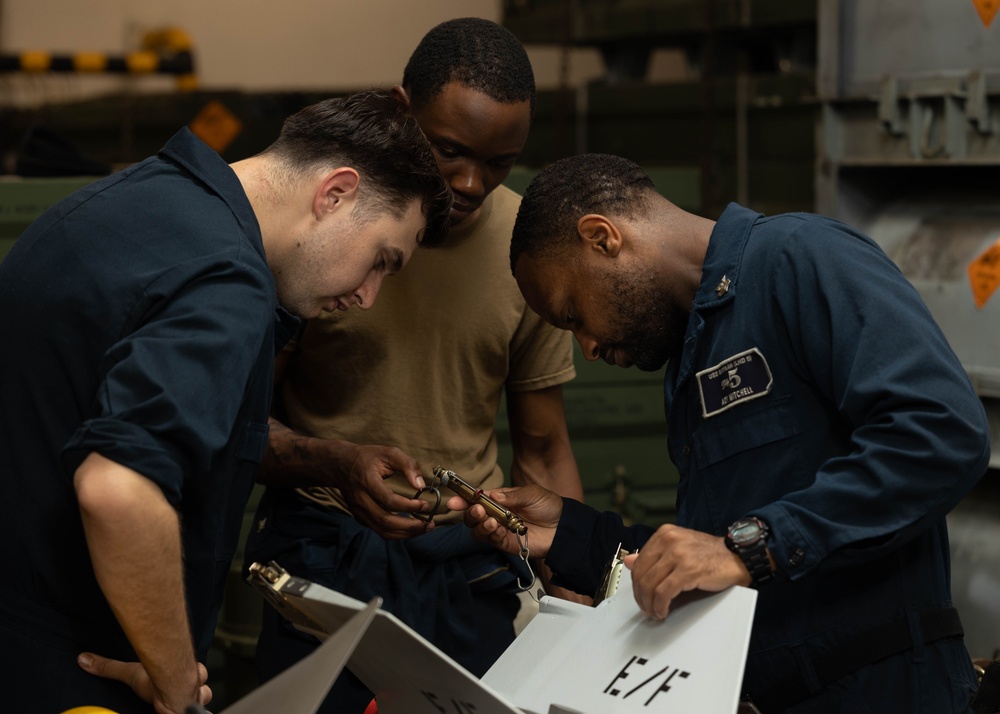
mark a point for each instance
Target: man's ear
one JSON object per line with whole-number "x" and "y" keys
{"x": 338, "y": 187}
{"x": 599, "y": 233}
{"x": 400, "y": 95}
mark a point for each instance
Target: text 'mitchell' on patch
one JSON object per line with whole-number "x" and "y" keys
{"x": 737, "y": 379}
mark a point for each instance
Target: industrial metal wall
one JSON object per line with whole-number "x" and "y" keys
{"x": 909, "y": 153}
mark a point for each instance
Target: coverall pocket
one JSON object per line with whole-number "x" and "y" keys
{"x": 751, "y": 426}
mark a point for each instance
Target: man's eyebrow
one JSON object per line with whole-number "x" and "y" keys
{"x": 452, "y": 144}
{"x": 460, "y": 148}
{"x": 396, "y": 259}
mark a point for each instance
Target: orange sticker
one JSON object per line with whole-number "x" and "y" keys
{"x": 984, "y": 274}
{"x": 987, "y": 10}
{"x": 216, "y": 125}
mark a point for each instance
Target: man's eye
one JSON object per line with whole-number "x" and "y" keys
{"x": 569, "y": 318}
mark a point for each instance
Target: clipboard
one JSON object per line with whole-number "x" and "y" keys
{"x": 408, "y": 674}
{"x": 570, "y": 659}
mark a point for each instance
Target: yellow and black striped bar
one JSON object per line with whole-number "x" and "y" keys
{"x": 166, "y": 51}
{"x": 142, "y": 62}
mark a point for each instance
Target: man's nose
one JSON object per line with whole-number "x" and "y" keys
{"x": 468, "y": 181}
{"x": 364, "y": 296}
{"x": 589, "y": 345}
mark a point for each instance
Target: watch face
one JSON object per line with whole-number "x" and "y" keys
{"x": 745, "y": 532}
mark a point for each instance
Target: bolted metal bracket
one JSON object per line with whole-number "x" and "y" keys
{"x": 977, "y": 107}
{"x": 888, "y": 107}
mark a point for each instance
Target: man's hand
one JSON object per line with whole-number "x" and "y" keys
{"x": 362, "y": 471}
{"x": 295, "y": 460}
{"x": 676, "y": 560}
{"x": 538, "y": 507}
{"x": 135, "y": 676}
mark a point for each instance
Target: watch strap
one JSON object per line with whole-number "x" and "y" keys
{"x": 753, "y": 554}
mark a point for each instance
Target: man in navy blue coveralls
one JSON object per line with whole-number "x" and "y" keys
{"x": 811, "y": 399}
{"x": 143, "y": 314}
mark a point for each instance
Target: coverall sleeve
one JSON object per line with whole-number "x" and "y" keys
{"x": 918, "y": 437}
{"x": 585, "y": 542}
{"x": 172, "y": 385}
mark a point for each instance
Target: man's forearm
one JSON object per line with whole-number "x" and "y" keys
{"x": 542, "y": 451}
{"x": 297, "y": 460}
{"x": 553, "y": 467}
{"x": 133, "y": 535}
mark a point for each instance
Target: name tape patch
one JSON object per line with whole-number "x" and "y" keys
{"x": 740, "y": 378}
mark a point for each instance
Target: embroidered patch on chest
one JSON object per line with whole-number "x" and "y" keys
{"x": 736, "y": 379}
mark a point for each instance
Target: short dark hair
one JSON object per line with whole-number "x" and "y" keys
{"x": 370, "y": 131}
{"x": 570, "y": 188}
{"x": 477, "y": 53}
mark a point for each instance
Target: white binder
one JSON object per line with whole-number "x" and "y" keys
{"x": 407, "y": 673}
{"x": 611, "y": 660}
{"x": 570, "y": 659}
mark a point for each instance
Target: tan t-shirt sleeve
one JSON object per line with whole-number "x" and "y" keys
{"x": 541, "y": 355}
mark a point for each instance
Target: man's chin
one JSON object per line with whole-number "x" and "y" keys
{"x": 460, "y": 218}
{"x": 651, "y": 363}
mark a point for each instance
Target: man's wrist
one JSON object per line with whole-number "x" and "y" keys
{"x": 747, "y": 538}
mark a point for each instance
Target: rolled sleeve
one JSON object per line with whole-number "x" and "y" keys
{"x": 171, "y": 388}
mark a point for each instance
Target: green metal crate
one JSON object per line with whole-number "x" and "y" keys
{"x": 24, "y": 200}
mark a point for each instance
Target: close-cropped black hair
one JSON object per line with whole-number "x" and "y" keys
{"x": 569, "y": 189}
{"x": 477, "y": 53}
{"x": 371, "y": 132}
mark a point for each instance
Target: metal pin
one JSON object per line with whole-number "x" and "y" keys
{"x": 473, "y": 495}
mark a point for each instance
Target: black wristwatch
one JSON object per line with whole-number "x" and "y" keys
{"x": 747, "y": 537}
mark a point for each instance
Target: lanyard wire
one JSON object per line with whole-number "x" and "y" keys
{"x": 522, "y": 540}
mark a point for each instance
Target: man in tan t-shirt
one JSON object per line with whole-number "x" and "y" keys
{"x": 367, "y": 405}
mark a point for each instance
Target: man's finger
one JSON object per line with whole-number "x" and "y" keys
{"x": 414, "y": 477}
{"x": 394, "y": 503}
{"x": 107, "y": 668}
{"x": 393, "y": 526}
{"x": 205, "y": 694}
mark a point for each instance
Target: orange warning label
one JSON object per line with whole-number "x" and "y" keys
{"x": 987, "y": 10}
{"x": 984, "y": 274}
{"x": 216, "y": 125}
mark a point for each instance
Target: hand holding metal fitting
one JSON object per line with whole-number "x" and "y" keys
{"x": 509, "y": 520}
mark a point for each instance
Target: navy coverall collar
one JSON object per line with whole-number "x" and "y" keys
{"x": 187, "y": 150}
{"x": 720, "y": 272}
{"x": 719, "y": 280}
